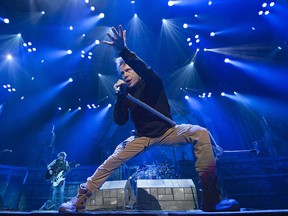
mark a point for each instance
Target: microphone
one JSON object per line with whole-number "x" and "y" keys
{"x": 121, "y": 89}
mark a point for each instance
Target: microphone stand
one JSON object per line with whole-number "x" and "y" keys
{"x": 157, "y": 113}
{"x": 122, "y": 91}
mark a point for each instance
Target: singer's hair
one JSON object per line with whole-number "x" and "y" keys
{"x": 119, "y": 61}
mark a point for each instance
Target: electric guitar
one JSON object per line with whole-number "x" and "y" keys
{"x": 49, "y": 176}
{"x": 57, "y": 179}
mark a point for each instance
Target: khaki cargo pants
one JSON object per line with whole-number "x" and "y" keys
{"x": 178, "y": 135}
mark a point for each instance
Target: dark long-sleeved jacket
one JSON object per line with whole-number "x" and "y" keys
{"x": 149, "y": 90}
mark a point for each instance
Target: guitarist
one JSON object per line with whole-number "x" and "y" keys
{"x": 54, "y": 168}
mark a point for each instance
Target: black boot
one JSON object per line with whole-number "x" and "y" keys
{"x": 210, "y": 196}
{"x": 210, "y": 193}
{"x": 77, "y": 203}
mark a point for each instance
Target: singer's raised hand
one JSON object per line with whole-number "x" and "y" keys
{"x": 118, "y": 39}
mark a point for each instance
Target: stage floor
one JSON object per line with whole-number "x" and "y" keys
{"x": 152, "y": 213}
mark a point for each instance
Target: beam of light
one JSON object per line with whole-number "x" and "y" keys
{"x": 85, "y": 129}
{"x": 194, "y": 103}
{"x": 91, "y": 21}
{"x": 137, "y": 30}
{"x": 34, "y": 18}
{"x": 10, "y": 67}
{"x": 244, "y": 116}
{"x": 264, "y": 105}
{"x": 247, "y": 51}
{"x": 275, "y": 51}
{"x": 231, "y": 30}
{"x": 12, "y": 43}
{"x": 172, "y": 36}
{"x": 191, "y": 96}
{"x": 275, "y": 77}
{"x": 55, "y": 54}
{"x": 171, "y": 32}
{"x": 185, "y": 2}
{"x": 101, "y": 101}
{"x": 275, "y": 18}
{"x": 63, "y": 118}
{"x": 79, "y": 40}
{"x": 91, "y": 46}
{"x": 185, "y": 76}
{"x": 231, "y": 96}
{"x": 105, "y": 85}
{"x": 172, "y": 3}
{"x": 34, "y": 105}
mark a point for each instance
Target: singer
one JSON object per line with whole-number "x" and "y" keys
{"x": 143, "y": 83}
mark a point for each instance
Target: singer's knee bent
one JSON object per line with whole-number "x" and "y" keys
{"x": 195, "y": 134}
